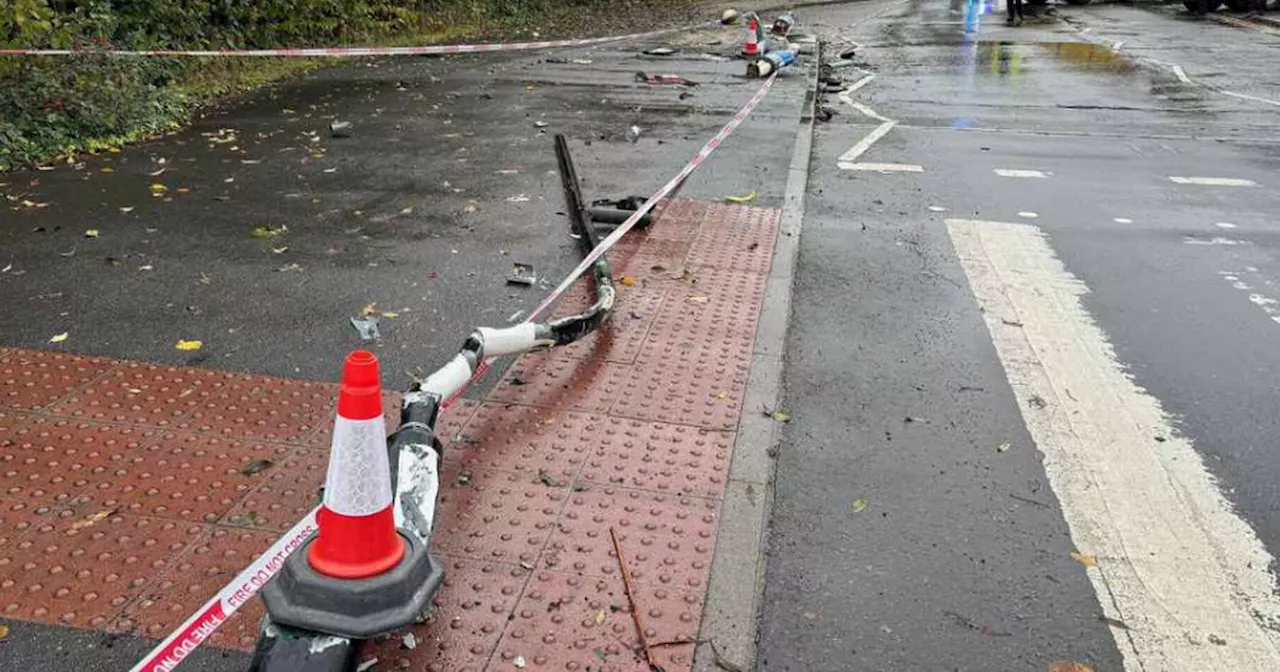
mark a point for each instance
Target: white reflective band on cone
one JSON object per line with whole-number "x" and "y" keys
{"x": 509, "y": 341}
{"x": 359, "y": 479}
{"x": 449, "y": 379}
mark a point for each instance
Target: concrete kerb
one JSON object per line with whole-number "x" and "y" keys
{"x": 730, "y": 616}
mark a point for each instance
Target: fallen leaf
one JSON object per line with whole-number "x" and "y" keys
{"x": 722, "y": 395}
{"x": 255, "y": 467}
{"x": 391, "y": 314}
{"x": 629, "y": 281}
{"x": 407, "y": 211}
{"x": 127, "y": 209}
{"x": 158, "y": 189}
{"x": 1084, "y": 558}
{"x": 697, "y": 299}
{"x": 58, "y": 338}
{"x": 280, "y": 250}
{"x": 107, "y": 170}
{"x": 4, "y": 632}
{"x": 157, "y": 173}
{"x": 688, "y": 276}
{"x": 1004, "y": 447}
{"x": 1061, "y": 666}
{"x": 267, "y": 231}
{"x": 859, "y": 505}
{"x": 90, "y": 521}
{"x": 91, "y": 233}
{"x": 147, "y": 267}
{"x": 600, "y": 617}
{"x": 189, "y": 345}
{"x": 745, "y": 198}
{"x": 779, "y": 416}
{"x": 369, "y": 309}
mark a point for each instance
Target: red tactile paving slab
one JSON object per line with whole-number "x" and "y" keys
{"x": 236, "y": 405}
{"x": 290, "y": 488}
{"x": 575, "y": 623}
{"x": 550, "y": 380}
{"x": 468, "y": 616}
{"x": 668, "y": 539}
{"x": 34, "y": 379}
{"x": 496, "y": 515}
{"x": 201, "y": 572}
{"x": 709, "y": 398}
{"x": 736, "y": 238}
{"x": 722, "y": 301}
{"x": 673, "y": 459}
{"x": 52, "y": 461}
{"x": 81, "y": 571}
{"x": 526, "y": 439}
{"x": 16, "y": 519}
{"x": 138, "y": 393}
{"x": 182, "y": 475}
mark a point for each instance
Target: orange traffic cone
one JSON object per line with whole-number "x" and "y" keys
{"x": 357, "y": 536}
{"x": 752, "y": 45}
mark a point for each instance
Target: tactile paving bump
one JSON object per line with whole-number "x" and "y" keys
{"x": 195, "y": 577}
{"x": 673, "y": 459}
{"x": 496, "y": 515}
{"x": 467, "y": 618}
{"x": 575, "y": 623}
{"x": 668, "y": 539}
{"x": 240, "y": 406}
{"x": 81, "y": 571}
{"x": 52, "y": 461}
{"x": 34, "y": 379}
{"x": 139, "y": 393}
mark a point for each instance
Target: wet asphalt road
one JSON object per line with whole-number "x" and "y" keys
{"x": 960, "y": 558}
{"x": 448, "y": 178}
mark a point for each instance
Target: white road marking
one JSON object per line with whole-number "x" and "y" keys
{"x": 1122, "y": 220}
{"x": 865, "y": 143}
{"x": 937, "y": 208}
{"x": 1246, "y": 96}
{"x": 1012, "y": 172}
{"x": 1180, "y": 74}
{"x": 1175, "y": 564}
{"x": 1214, "y": 181}
{"x": 868, "y": 111}
{"x": 1027, "y": 214}
{"x": 1115, "y": 48}
{"x": 866, "y": 79}
{"x": 1216, "y": 240}
{"x": 883, "y": 167}
{"x": 1224, "y": 225}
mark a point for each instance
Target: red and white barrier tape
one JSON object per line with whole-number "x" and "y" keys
{"x": 191, "y": 634}
{"x": 215, "y": 612}
{"x": 429, "y": 50}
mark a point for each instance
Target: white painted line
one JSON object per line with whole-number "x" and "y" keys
{"x": 1011, "y": 172}
{"x": 937, "y": 208}
{"x": 883, "y": 167}
{"x": 866, "y": 110}
{"x": 1217, "y": 240}
{"x": 1173, "y": 561}
{"x": 1214, "y": 181}
{"x": 1246, "y": 96}
{"x": 865, "y": 143}
{"x": 866, "y": 79}
{"x": 1224, "y": 225}
{"x": 1122, "y": 220}
{"x": 1180, "y": 74}
{"x": 1027, "y": 214}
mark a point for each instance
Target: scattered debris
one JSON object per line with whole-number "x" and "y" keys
{"x": 697, "y": 299}
{"x": 658, "y": 80}
{"x": 340, "y": 129}
{"x": 126, "y": 209}
{"x": 633, "y": 134}
{"x": 1004, "y": 447}
{"x": 1084, "y": 559}
{"x": 1011, "y": 323}
{"x": 729, "y": 17}
{"x": 290, "y": 268}
{"x": 689, "y": 277}
{"x": 58, "y": 338}
{"x": 824, "y": 113}
{"x": 859, "y": 505}
{"x": 849, "y": 53}
{"x": 631, "y": 600}
{"x": 366, "y": 665}
{"x": 540, "y": 124}
{"x": 188, "y": 346}
{"x": 1064, "y": 666}
{"x": 546, "y": 479}
{"x": 1214, "y": 639}
{"x": 91, "y": 233}
{"x": 1037, "y": 401}
{"x": 409, "y": 641}
{"x": 628, "y": 281}
{"x": 515, "y": 316}
{"x": 4, "y": 632}
{"x": 280, "y": 250}
{"x": 463, "y": 479}
{"x": 518, "y": 198}
{"x": 522, "y": 274}
{"x": 783, "y": 24}
{"x": 745, "y": 198}
{"x": 367, "y": 327}
{"x": 91, "y": 520}
{"x": 518, "y": 662}
{"x": 771, "y": 62}
{"x": 256, "y": 467}
{"x": 778, "y": 416}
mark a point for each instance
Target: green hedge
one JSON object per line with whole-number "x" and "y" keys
{"x": 56, "y": 105}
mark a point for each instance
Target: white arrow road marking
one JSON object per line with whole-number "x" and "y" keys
{"x": 1186, "y": 575}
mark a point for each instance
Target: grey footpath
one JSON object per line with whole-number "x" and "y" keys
{"x": 730, "y": 616}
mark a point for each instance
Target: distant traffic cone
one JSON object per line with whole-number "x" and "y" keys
{"x": 358, "y": 537}
{"x": 752, "y": 45}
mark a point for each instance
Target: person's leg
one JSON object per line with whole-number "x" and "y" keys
{"x": 1010, "y": 5}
